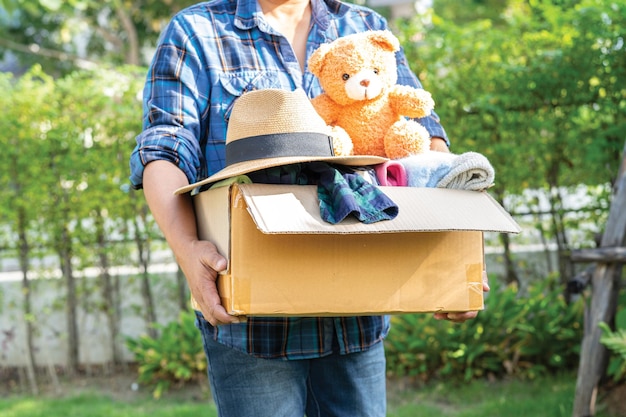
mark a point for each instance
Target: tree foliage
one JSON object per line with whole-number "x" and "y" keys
{"x": 64, "y": 173}
{"x": 63, "y": 35}
{"x": 542, "y": 95}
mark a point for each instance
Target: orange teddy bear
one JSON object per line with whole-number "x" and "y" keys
{"x": 358, "y": 74}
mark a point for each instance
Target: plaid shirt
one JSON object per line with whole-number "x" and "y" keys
{"x": 209, "y": 55}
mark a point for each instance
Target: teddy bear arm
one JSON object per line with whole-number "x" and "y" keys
{"x": 411, "y": 102}
{"x": 326, "y": 108}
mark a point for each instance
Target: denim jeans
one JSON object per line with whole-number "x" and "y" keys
{"x": 337, "y": 385}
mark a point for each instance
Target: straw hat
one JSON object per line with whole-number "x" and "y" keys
{"x": 273, "y": 127}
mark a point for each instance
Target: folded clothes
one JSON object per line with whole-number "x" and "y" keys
{"x": 342, "y": 194}
{"x": 466, "y": 171}
{"x": 391, "y": 173}
{"x": 470, "y": 171}
{"x": 342, "y": 191}
{"x": 426, "y": 169}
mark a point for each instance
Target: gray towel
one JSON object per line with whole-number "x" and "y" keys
{"x": 466, "y": 171}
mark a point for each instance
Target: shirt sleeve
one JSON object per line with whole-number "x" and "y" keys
{"x": 173, "y": 103}
{"x": 172, "y": 144}
{"x": 407, "y": 77}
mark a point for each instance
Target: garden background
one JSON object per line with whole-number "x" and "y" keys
{"x": 88, "y": 286}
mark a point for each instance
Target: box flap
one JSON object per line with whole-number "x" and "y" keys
{"x": 295, "y": 209}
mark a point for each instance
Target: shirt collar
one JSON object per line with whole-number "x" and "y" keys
{"x": 246, "y": 15}
{"x": 248, "y": 12}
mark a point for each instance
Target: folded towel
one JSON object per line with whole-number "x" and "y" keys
{"x": 391, "y": 173}
{"x": 466, "y": 171}
{"x": 469, "y": 171}
{"x": 427, "y": 169}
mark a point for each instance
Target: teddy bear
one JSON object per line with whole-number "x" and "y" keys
{"x": 358, "y": 74}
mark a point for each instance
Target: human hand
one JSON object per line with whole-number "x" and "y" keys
{"x": 199, "y": 259}
{"x": 201, "y": 265}
{"x": 438, "y": 144}
{"x": 463, "y": 316}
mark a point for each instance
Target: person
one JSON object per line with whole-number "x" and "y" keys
{"x": 209, "y": 55}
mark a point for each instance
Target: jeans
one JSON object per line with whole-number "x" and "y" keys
{"x": 337, "y": 385}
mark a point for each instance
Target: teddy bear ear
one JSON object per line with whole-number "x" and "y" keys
{"x": 384, "y": 39}
{"x": 316, "y": 60}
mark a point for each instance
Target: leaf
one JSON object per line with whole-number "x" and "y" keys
{"x": 53, "y": 5}
{"x": 615, "y": 341}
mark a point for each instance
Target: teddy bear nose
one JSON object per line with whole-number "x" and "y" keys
{"x": 365, "y": 83}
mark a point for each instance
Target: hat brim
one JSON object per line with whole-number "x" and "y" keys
{"x": 246, "y": 167}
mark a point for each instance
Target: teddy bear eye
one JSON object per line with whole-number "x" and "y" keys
{"x": 376, "y": 71}
{"x": 345, "y": 77}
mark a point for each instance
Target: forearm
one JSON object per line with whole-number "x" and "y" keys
{"x": 198, "y": 259}
{"x": 173, "y": 213}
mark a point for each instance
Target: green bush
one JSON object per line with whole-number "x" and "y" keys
{"x": 175, "y": 356}
{"x": 521, "y": 336}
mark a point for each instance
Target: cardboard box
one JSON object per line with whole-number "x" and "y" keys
{"x": 284, "y": 260}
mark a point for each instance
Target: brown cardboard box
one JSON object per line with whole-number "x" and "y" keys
{"x": 284, "y": 260}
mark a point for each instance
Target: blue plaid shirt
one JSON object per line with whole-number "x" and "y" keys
{"x": 209, "y": 55}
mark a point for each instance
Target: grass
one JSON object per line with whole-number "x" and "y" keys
{"x": 549, "y": 397}
{"x": 93, "y": 405}
{"x": 546, "y": 397}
